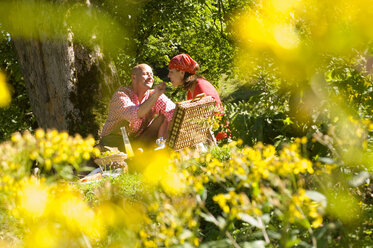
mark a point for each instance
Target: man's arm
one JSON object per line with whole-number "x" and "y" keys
{"x": 146, "y": 106}
{"x": 163, "y": 129}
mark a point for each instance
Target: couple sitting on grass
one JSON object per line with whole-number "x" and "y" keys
{"x": 135, "y": 107}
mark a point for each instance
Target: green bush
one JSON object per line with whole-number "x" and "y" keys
{"x": 18, "y": 116}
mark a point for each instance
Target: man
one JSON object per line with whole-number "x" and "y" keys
{"x": 135, "y": 107}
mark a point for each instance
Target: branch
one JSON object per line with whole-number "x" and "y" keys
{"x": 217, "y": 28}
{"x": 234, "y": 243}
{"x": 265, "y": 234}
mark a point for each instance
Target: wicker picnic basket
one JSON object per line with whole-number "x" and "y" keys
{"x": 191, "y": 122}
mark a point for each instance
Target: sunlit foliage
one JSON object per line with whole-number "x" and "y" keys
{"x": 89, "y": 25}
{"x": 298, "y": 34}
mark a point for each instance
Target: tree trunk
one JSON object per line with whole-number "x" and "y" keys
{"x": 68, "y": 84}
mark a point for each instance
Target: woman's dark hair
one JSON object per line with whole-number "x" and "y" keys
{"x": 189, "y": 78}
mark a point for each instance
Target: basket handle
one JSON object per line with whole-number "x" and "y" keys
{"x": 198, "y": 97}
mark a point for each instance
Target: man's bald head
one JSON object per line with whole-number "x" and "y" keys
{"x": 139, "y": 68}
{"x": 142, "y": 77}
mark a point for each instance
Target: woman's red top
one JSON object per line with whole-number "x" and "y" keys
{"x": 203, "y": 86}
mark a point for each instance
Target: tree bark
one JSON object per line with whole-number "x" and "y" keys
{"x": 68, "y": 84}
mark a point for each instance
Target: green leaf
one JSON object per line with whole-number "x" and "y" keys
{"x": 254, "y": 244}
{"x": 221, "y": 222}
{"x": 359, "y": 179}
{"x": 186, "y": 234}
{"x": 249, "y": 219}
{"x": 326, "y": 160}
{"x": 208, "y": 218}
{"x": 224, "y": 243}
{"x": 317, "y": 196}
{"x": 287, "y": 121}
{"x": 293, "y": 242}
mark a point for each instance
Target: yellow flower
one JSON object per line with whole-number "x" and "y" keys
{"x": 173, "y": 182}
{"x": 77, "y": 215}
{"x": 196, "y": 242}
{"x": 5, "y": 97}
{"x": 16, "y": 137}
{"x": 43, "y": 235}
{"x": 317, "y": 222}
{"x": 33, "y": 198}
{"x": 226, "y": 209}
{"x": 51, "y": 134}
{"x": 143, "y": 234}
{"x": 48, "y": 164}
{"x": 33, "y": 155}
{"x": 192, "y": 223}
{"x": 215, "y": 126}
{"x": 150, "y": 243}
{"x": 48, "y": 152}
{"x": 198, "y": 187}
{"x": 86, "y": 155}
{"x": 257, "y": 211}
{"x": 90, "y": 141}
{"x": 208, "y": 157}
{"x": 232, "y": 144}
{"x": 96, "y": 152}
{"x": 39, "y": 133}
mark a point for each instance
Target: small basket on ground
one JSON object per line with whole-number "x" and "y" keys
{"x": 115, "y": 160}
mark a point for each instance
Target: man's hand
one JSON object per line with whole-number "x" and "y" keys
{"x": 160, "y": 88}
{"x": 146, "y": 106}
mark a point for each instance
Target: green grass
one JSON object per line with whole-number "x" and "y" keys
{"x": 10, "y": 233}
{"x": 127, "y": 185}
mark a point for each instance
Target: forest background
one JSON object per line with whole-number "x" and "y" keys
{"x": 294, "y": 157}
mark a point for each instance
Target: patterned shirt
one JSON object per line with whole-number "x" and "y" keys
{"x": 124, "y": 106}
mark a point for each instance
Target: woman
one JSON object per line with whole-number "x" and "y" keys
{"x": 182, "y": 72}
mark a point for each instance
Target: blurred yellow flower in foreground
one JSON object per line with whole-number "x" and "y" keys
{"x": 286, "y": 36}
{"x": 296, "y": 34}
{"x": 270, "y": 26}
{"x": 173, "y": 182}
{"x": 161, "y": 171}
{"x": 55, "y": 214}
{"x": 284, "y": 6}
{"x": 33, "y": 198}
{"x": 5, "y": 97}
{"x": 70, "y": 209}
{"x": 44, "y": 235}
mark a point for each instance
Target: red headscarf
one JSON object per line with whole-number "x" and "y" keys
{"x": 183, "y": 62}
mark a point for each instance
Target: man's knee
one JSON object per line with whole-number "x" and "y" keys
{"x": 150, "y": 134}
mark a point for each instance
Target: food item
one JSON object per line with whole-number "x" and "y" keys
{"x": 91, "y": 178}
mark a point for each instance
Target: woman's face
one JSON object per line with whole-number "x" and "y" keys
{"x": 176, "y": 77}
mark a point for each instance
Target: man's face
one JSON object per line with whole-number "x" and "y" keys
{"x": 143, "y": 77}
{"x": 176, "y": 77}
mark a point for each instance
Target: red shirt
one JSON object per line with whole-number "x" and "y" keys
{"x": 203, "y": 86}
{"x": 124, "y": 106}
